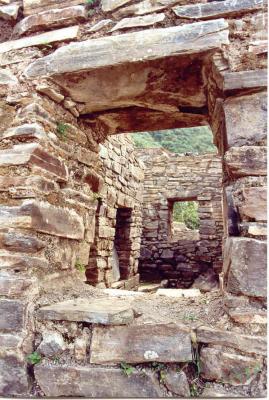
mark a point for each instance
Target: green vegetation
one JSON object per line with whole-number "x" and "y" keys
{"x": 196, "y": 140}
{"x": 127, "y": 369}
{"x": 92, "y": 4}
{"x": 80, "y": 267}
{"x": 62, "y": 130}
{"x": 34, "y": 358}
{"x": 187, "y": 212}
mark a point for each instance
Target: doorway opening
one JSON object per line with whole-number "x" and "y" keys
{"x": 122, "y": 244}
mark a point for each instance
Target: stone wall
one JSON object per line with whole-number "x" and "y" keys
{"x": 169, "y": 178}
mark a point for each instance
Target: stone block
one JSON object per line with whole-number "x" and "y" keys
{"x": 241, "y": 371}
{"x": 27, "y": 131}
{"x": 35, "y": 6}
{"x": 142, "y": 21}
{"x": 246, "y": 119}
{"x": 17, "y": 242}
{"x": 131, "y": 46}
{"x": 52, "y": 344}
{"x": 244, "y": 79}
{"x": 20, "y": 262}
{"x": 51, "y": 19}
{"x": 94, "y": 382}
{"x": 34, "y": 154}
{"x": 14, "y": 377}
{"x": 98, "y": 311}
{"x": 43, "y": 217}
{"x": 246, "y": 161}
{"x": 244, "y": 343}
{"x": 15, "y": 286}
{"x": 144, "y": 7}
{"x": 9, "y": 12}
{"x": 245, "y": 266}
{"x": 177, "y": 383}
{"x": 254, "y": 204}
{"x": 141, "y": 344}
{"x": 111, "y": 5}
{"x": 217, "y": 9}
{"x": 12, "y": 315}
{"x": 39, "y": 40}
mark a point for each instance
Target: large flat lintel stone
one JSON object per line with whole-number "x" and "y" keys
{"x": 92, "y": 382}
{"x": 99, "y": 311}
{"x": 132, "y": 47}
{"x": 217, "y": 8}
{"x": 141, "y": 343}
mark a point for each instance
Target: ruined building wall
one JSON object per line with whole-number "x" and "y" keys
{"x": 169, "y": 178}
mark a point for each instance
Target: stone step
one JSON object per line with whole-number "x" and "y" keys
{"x": 167, "y": 342}
{"x": 148, "y": 287}
{"x": 100, "y": 382}
{"x": 97, "y": 311}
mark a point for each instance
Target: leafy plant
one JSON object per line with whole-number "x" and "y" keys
{"x": 189, "y": 317}
{"x": 34, "y": 358}
{"x": 127, "y": 369}
{"x": 80, "y": 267}
{"x": 62, "y": 129}
{"x": 194, "y": 390}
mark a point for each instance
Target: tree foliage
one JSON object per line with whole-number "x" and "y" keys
{"x": 187, "y": 212}
{"x": 196, "y": 140}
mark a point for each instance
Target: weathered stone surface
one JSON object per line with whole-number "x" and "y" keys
{"x": 241, "y": 370}
{"x": 145, "y": 7}
{"x": 254, "y": 203}
{"x": 245, "y": 343}
{"x": 52, "y": 344}
{"x": 12, "y": 315}
{"x": 6, "y": 79}
{"x": 248, "y": 315}
{"x": 177, "y": 383}
{"x": 146, "y": 20}
{"x": 213, "y": 392}
{"x": 244, "y": 79}
{"x": 187, "y": 39}
{"x": 98, "y": 311}
{"x": 34, "y": 154}
{"x": 217, "y": 9}
{"x": 43, "y": 217}
{"x": 12, "y": 285}
{"x": 9, "y": 12}
{"x": 246, "y": 119}
{"x": 51, "y": 19}
{"x": 122, "y": 293}
{"x": 178, "y": 292}
{"x": 31, "y": 131}
{"x": 42, "y": 39}
{"x": 141, "y": 343}
{"x": 11, "y": 260}
{"x": 207, "y": 281}
{"x": 245, "y": 266}
{"x": 50, "y": 92}
{"x": 58, "y": 381}
{"x": 21, "y": 187}
{"x": 246, "y": 161}
{"x": 111, "y": 5}
{"x": 14, "y": 377}
{"x": 256, "y": 229}
{"x": 36, "y": 6}
{"x": 100, "y": 25}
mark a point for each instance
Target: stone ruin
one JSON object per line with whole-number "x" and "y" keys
{"x": 78, "y": 201}
{"x": 170, "y": 178}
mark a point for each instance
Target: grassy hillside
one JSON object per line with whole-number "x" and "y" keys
{"x": 196, "y": 140}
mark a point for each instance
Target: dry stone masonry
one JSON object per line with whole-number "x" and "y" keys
{"x": 75, "y": 78}
{"x": 170, "y": 178}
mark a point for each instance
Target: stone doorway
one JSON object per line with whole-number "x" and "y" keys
{"x": 122, "y": 243}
